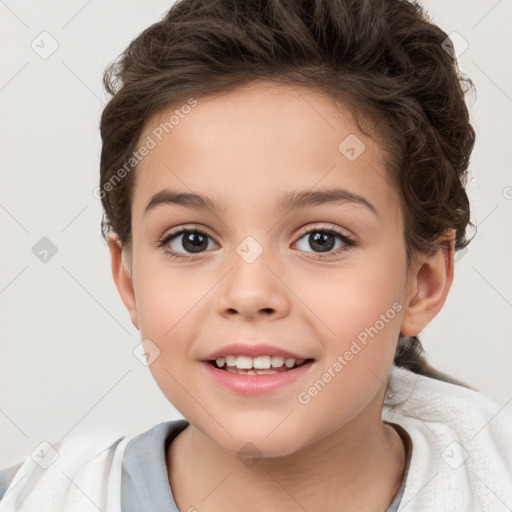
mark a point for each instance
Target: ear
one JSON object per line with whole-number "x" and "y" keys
{"x": 121, "y": 272}
{"x": 428, "y": 285}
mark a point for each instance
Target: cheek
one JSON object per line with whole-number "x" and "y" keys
{"x": 163, "y": 298}
{"x": 168, "y": 305}
{"x": 364, "y": 314}
{"x": 359, "y": 314}
{"x": 355, "y": 298}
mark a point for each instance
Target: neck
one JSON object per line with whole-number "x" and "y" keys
{"x": 355, "y": 468}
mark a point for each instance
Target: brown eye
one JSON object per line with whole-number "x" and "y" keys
{"x": 185, "y": 242}
{"x": 192, "y": 241}
{"x": 324, "y": 240}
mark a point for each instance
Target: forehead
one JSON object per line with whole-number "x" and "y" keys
{"x": 261, "y": 141}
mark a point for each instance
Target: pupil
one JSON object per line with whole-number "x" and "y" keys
{"x": 324, "y": 241}
{"x": 194, "y": 242}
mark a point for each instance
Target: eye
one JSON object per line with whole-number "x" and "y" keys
{"x": 184, "y": 243}
{"x": 192, "y": 241}
{"x": 323, "y": 240}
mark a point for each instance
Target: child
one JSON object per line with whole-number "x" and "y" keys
{"x": 283, "y": 186}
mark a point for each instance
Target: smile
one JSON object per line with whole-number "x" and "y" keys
{"x": 261, "y": 365}
{"x": 264, "y": 374}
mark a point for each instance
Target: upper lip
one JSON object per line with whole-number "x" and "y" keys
{"x": 252, "y": 350}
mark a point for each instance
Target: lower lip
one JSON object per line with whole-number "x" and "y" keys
{"x": 255, "y": 384}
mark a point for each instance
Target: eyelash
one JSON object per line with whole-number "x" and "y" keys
{"x": 348, "y": 241}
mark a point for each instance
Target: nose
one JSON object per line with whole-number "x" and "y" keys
{"x": 253, "y": 290}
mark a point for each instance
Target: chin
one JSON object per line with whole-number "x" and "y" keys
{"x": 255, "y": 441}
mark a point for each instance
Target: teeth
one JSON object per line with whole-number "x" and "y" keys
{"x": 230, "y": 360}
{"x": 262, "y": 362}
{"x": 243, "y": 362}
{"x": 251, "y": 372}
{"x": 257, "y": 363}
{"x": 277, "y": 362}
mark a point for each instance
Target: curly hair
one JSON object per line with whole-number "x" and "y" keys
{"x": 384, "y": 59}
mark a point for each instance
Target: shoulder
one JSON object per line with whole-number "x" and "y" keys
{"x": 73, "y": 472}
{"x": 462, "y": 444}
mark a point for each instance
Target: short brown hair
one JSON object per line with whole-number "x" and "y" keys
{"x": 383, "y": 58}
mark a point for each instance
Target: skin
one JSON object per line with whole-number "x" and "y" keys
{"x": 246, "y": 149}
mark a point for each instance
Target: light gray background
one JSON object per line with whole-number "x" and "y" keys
{"x": 66, "y": 340}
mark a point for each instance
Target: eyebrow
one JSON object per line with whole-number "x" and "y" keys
{"x": 290, "y": 201}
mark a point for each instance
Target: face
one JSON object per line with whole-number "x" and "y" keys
{"x": 325, "y": 279}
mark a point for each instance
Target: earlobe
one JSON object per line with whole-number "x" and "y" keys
{"x": 429, "y": 284}
{"x": 122, "y": 274}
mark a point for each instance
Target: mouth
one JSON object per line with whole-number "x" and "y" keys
{"x": 262, "y": 365}
{"x": 261, "y": 375}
